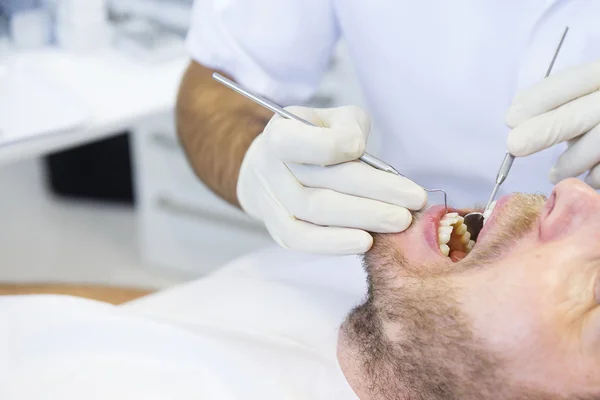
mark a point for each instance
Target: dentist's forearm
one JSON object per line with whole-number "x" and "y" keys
{"x": 216, "y": 126}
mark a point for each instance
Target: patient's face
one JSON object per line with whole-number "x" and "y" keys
{"x": 517, "y": 318}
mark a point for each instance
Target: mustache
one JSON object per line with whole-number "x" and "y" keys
{"x": 517, "y": 218}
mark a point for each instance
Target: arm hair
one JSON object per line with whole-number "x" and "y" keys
{"x": 216, "y": 126}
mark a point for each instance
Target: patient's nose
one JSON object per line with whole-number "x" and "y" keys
{"x": 573, "y": 206}
{"x": 574, "y": 192}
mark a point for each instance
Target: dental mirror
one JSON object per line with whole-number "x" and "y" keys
{"x": 474, "y": 223}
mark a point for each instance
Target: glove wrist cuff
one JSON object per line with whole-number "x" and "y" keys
{"x": 246, "y": 187}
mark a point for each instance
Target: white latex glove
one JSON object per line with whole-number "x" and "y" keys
{"x": 563, "y": 107}
{"x": 304, "y": 184}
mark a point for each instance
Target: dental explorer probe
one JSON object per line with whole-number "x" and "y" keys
{"x": 366, "y": 158}
{"x": 474, "y": 221}
{"x": 509, "y": 158}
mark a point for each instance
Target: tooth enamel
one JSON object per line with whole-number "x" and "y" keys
{"x": 452, "y": 225}
{"x": 445, "y": 249}
{"x": 464, "y": 239}
{"x": 449, "y": 219}
{"x": 444, "y": 233}
{"x": 470, "y": 245}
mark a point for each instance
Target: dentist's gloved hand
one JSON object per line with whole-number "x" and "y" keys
{"x": 563, "y": 107}
{"x": 305, "y": 184}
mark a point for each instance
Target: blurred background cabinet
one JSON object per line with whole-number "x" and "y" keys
{"x": 184, "y": 225}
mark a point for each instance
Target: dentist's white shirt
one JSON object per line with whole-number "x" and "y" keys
{"x": 437, "y": 75}
{"x": 264, "y": 327}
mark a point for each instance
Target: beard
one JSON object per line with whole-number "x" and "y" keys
{"x": 412, "y": 339}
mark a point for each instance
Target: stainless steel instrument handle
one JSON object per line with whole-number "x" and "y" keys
{"x": 366, "y": 158}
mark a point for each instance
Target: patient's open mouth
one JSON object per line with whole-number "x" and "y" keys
{"x": 453, "y": 238}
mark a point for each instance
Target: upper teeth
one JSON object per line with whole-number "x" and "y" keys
{"x": 452, "y": 223}
{"x": 488, "y": 212}
{"x": 444, "y": 233}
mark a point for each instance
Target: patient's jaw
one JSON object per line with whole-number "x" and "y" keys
{"x": 517, "y": 318}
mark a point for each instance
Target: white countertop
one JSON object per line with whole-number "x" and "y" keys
{"x": 110, "y": 90}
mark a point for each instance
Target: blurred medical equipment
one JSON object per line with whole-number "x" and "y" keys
{"x": 4, "y": 35}
{"x": 74, "y": 25}
{"x": 171, "y": 14}
{"x": 474, "y": 220}
{"x": 148, "y": 41}
{"x": 82, "y": 26}
{"x": 150, "y": 31}
{"x": 29, "y": 22}
{"x": 366, "y": 158}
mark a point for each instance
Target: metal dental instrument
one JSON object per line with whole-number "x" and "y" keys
{"x": 366, "y": 158}
{"x": 474, "y": 220}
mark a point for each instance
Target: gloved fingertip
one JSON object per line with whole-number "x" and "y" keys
{"x": 401, "y": 221}
{"x": 353, "y": 148}
{"x": 422, "y": 202}
{"x": 421, "y": 199}
{"x": 364, "y": 243}
{"x": 358, "y": 242}
{"x": 593, "y": 180}
{"x": 554, "y": 175}
{"x": 408, "y": 194}
{"x": 516, "y": 145}
{"x": 515, "y": 115}
{"x": 414, "y": 198}
{"x": 363, "y": 120}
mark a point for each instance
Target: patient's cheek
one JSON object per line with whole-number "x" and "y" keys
{"x": 554, "y": 227}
